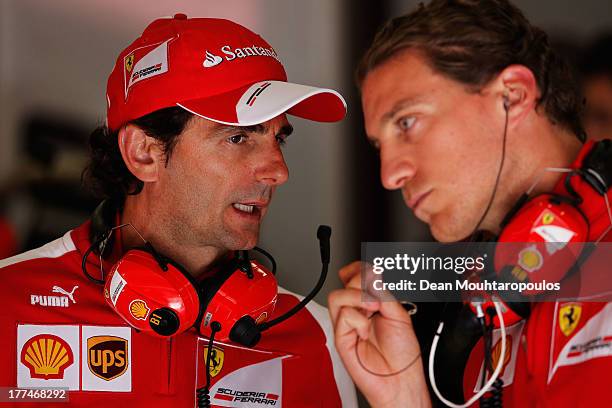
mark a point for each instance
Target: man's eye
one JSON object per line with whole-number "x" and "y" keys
{"x": 405, "y": 123}
{"x": 237, "y": 139}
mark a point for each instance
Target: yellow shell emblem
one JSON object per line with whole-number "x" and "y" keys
{"x": 47, "y": 356}
{"x": 262, "y": 317}
{"x": 139, "y": 309}
{"x": 530, "y": 259}
{"x": 496, "y": 354}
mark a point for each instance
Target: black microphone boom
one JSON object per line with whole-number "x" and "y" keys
{"x": 323, "y": 234}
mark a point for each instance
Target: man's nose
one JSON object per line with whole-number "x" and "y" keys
{"x": 272, "y": 169}
{"x": 395, "y": 169}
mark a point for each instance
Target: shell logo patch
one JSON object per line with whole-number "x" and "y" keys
{"x": 262, "y": 317}
{"x": 216, "y": 360}
{"x": 139, "y": 309}
{"x": 474, "y": 369}
{"x": 530, "y": 259}
{"x": 496, "y": 354}
{"x": 47, "y": 356}
{"x": 569, "y": 317}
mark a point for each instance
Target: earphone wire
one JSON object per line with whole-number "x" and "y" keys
{"x": 499, "y": 172}
{"x": 544, "y": 171}
{"x": 495, "y": 304}
{"x": 493, "y": 377}
{"x": 401, "y": 370}
{"x": 101, "y": 244}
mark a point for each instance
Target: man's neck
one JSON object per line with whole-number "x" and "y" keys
{"x": 559, "y": 152}
{"x": 197, "y": 260}
{"x": 529, "y": 155}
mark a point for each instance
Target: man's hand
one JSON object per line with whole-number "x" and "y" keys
{"x": 383, "y": 334}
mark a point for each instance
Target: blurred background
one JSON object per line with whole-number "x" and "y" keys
{"x": 55, "y": 57}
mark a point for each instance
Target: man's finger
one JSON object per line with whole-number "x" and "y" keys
{"x": 350, "y": 323}
{"x": 354, "y": 282}
{"x": 366, "y": 284}
{"x": 347, "y": 272}
{"x": 348, "y": 297}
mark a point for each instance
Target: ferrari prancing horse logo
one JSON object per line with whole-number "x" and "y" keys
{"x": 129, "y": 62}
{"x": 569, "y": 317}
{"x": 216, "y": 360}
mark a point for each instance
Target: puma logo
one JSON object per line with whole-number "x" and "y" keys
{"x": 57, "y": 289}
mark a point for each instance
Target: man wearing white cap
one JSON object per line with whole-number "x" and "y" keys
{"x": 187, "y": 164}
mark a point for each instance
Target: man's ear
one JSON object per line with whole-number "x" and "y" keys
{"x": 517, "y": 90}
{"x": 142, "y": 154}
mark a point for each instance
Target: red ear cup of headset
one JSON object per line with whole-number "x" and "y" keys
{"x": 158, "y": 297}
{"x": 542, "y": 242}
{"x": 239, "y": 303}
{"x": 154, "y": 297}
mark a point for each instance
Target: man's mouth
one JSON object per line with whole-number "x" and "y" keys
{"x": 414, "y": 201}
{"x": 245, "y": 208}
{"x": 251, "y": 209}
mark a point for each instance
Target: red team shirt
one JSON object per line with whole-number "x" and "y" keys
{"x": 562, "y": 355}
{"x": 59, "y": 332}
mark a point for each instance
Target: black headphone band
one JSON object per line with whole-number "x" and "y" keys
{"x": 102, "y": 221}
{"x": 597, "y": 166}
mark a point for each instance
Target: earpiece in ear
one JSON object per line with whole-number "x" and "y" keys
{"x": 506, "y": 100}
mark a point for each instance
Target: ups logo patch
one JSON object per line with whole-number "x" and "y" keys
{"x": 107, "y": 356}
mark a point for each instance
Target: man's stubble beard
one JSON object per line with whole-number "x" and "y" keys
{"x": 457, "y": 222}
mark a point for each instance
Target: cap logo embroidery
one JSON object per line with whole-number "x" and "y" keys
{"x": 211, "y": 60}
{"x": 140, "y": 64}
{"x": 256, "y": 93}
{"x": 231, "y": 53}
